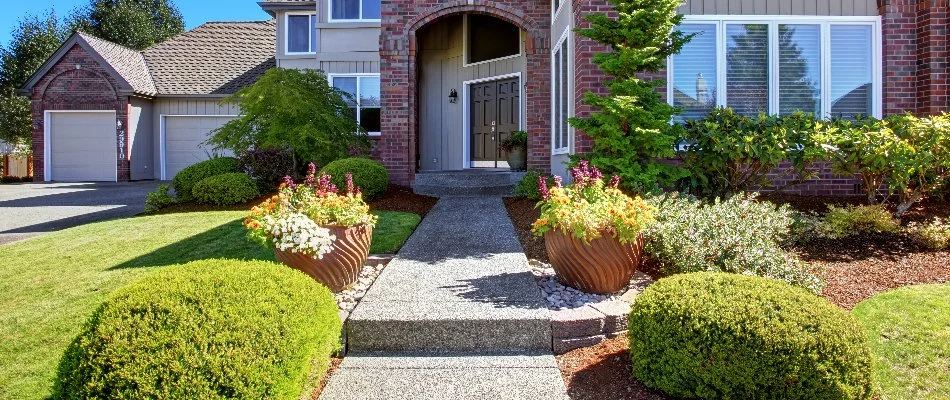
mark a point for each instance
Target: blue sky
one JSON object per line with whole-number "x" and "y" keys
{"x": 196, "y": 12}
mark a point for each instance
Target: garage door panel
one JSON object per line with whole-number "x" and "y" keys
{"x": 82, "y": 146}
{"x": 184, "y": 141}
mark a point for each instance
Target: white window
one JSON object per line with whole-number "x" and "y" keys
{"x": 364, "y": 99}
{"x": 301, "y": 33}
{"x": 561, "y": 96}
{"x": 355, "y": 10}
{"x": 826, "y": 66}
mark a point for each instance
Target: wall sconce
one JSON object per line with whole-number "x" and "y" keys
{"x": 453, "y": 96}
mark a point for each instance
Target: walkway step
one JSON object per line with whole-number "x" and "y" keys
{"x": 467, "y": 183}
{"x": 499, "y": 375}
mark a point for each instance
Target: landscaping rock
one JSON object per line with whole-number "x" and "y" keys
{"x": 577, "y": 322}
{"x": 615, "y": 314}
{"x": 562, "y": 346}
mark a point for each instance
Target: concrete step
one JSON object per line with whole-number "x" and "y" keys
{"x": 441, "y": 375}
{"x": 467, "y": 183}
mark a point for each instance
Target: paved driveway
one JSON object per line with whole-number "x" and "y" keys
{"x": 32, "y": 209}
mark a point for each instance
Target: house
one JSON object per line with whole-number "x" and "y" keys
{"x": 440, "y": 83}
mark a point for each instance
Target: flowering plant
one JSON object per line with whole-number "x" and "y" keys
{"x": 589, "y": 207}
{"x": 297, "y": 218}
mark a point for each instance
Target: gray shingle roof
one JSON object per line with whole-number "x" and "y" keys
{"x": 214, "y": 58}
{"x": 128, "y": 63}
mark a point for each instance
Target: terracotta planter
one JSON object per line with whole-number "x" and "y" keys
{"x": 339, "y": 268}
{"x": 602, "y": 266}
{"x": 518, "y": 159}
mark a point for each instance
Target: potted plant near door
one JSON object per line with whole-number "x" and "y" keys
{"x": 592, "y": 230}
{"x": 315, "y": 228}
{"x": 516, "y": 146}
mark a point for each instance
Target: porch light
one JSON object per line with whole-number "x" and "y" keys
{"x": 453, "y": 96}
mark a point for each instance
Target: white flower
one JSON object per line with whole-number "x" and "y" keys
{"x": 299, "y": 234}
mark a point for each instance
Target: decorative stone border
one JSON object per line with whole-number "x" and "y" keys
{"x": 347, "y": 300}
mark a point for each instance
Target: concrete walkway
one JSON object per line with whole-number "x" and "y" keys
{"x": 457, "y": 315}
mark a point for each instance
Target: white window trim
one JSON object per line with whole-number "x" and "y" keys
{"x": 555, "y": 52}
{"x": 310, "y": 37}
{"x": 162, "y": 136}
{"x": 48, "y": 145}
{"x": 361, "y": 19}
{"x": 825, "y": 23}
{"x": 358, "y": 93}
{"x": 467, "y": 112}
{"x": 556, "y": 10}
{"x": 465, "y": 62}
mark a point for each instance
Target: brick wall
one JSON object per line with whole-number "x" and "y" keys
{"x": 78, "y": 82}
{"x": 916, "y": 74}
{"x": 397, "y": 148}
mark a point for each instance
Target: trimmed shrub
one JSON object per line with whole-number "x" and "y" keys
{"x": 187, "y": 178}
{"x": 268, "y": 167}
{"x": 210, "y": 329}
{"x": 528, "y": 187}
{"x": 368, "y": 175}
{"x": 740, "y": 235}
{"x": 842, "y": 222}
{"x": 158, "y": 199}
{"x": 226, "y": 189}
{"x": 934, "y": 235}
{"x": 713, "y": 335}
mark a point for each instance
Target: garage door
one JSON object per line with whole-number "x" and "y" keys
{"x": 184, "y": 141}
{"x": 82, "y": 146}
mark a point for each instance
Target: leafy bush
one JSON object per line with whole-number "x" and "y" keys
{"x": 187, "y": 178}
{"x": 714, "y": 335}
{"x": 517, "y": 139}
{"x": 841, "y": 222}
{"x": 268, "y": 166}
{"x": 293, "y": 109}
{"x": 528, "y": 187}
{"x": 740, "y": 235}
{"x": 934, "y": 235}
{"x": 369, "y": 176}
{"x": 158, "y": 199}
{"x": 226, "y": 189}
{"x": 729, "y": 153}
{"x": 630, "y": 126}
{"x": 210, "y": 329}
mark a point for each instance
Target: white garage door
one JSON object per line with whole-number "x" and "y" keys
{"x": 82, "y": 146}
{"x": 184, "y": 141}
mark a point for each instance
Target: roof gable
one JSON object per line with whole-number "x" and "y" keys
{"x": 74, "y": 40}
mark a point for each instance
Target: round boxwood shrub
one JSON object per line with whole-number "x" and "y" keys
{"x": 719, "y": 335}
{"x": 370, "y": 176}
{"x": 226, "y": 189}
{"x": 187, "y": 178}
{"x": 210, "y": 329}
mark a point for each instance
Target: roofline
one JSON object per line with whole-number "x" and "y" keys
{"x": 271, "y": 7}
{"x": 192, "y": 96}
{"x": 64, "y": 48}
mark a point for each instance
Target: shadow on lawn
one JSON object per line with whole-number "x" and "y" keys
{"x": 225, "y": 241}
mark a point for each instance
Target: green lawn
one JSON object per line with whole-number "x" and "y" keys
{"x": 49, "y": 285}
{"x": 392, "y": 231}
{"x": 909, "y": 329}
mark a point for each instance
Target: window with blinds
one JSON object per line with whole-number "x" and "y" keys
{"x": 561, "y": 96}
{"x": 779, "y": 67}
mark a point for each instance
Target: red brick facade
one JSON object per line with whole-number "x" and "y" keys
{"x": 78, "y": 82}
{"x": 397, "y": 148}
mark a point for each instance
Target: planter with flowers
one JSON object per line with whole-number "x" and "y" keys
{"x": 516, "y": 146}
{"x": 316, "y": 229}
{"x": 592, "y": 230}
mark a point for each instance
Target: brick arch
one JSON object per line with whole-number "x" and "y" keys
{"x": 504, "y": 12}
{"x": 79, "y": 89}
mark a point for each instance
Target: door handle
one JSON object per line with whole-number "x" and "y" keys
{"x": 493, "y": 131}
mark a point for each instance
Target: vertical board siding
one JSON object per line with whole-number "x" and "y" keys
{"x": 350, "y": 67}
{"x": 781, "y": 7}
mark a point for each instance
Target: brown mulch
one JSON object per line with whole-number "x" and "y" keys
{"x": 402, "y": 199}
{"x": 603, "y": 372}
{"x": 334, "y": 364}
{"x": 523, "y": 214}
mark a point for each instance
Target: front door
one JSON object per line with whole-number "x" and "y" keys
{"x": 495, "y": 115}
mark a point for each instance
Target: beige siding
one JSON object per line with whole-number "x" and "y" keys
{"x": 141, "y": 139}
{"x": 350, "y": 67}
{"x": 183, "y": 107}
{"x": 441, "y": 69}
{"x": 781, "y": 7}
{"x": 348, "y": 40}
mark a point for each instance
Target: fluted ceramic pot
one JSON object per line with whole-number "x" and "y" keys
{"x": 339, "y": 268}
{"x": 602, "y": 266}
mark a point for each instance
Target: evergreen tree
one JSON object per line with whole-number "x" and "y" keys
{"x": 631, "y": 127}
{"x": 136, "y": 24}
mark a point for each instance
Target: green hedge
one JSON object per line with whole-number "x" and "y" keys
{"x": 226, "y": 189}
{"x": 187, "y": 178}
{"x": 717, "y": 335}
{"x": 370, "y": 176}
{"x": 210, "y": 329}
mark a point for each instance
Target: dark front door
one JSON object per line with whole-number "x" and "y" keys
{"x": 496, "y": 114}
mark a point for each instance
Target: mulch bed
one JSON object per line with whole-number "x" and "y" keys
{"x": 855, "y": 269}
{"x": 334, "y": 364}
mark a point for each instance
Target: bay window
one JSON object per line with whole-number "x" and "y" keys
{"x": 301, "y": 33}
{"x": 363, "y": 100}
{"x": 829, "y": 67}
{"x": 355, "y": 10}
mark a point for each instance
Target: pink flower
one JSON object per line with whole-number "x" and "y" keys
{"x": 543, "y": 187}
{"x": 615, "y": 182}
{"x": 558, "y": 181}
{"x": 350, "y": 188}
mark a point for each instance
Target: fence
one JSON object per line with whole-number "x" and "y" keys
{"x": 20, "y": 166}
